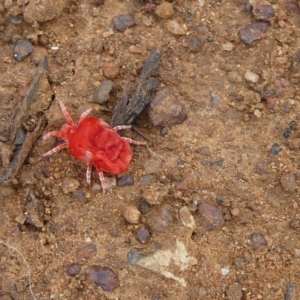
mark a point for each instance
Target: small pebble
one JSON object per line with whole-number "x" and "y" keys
{"x": 102, "y": 92}
{"x": 264, "y": 12}
{"x": 225, "y": 271}
{"x": 111, "y": 70}
{"x": 143, "y": 235}
{"x": 252, "y": 33}
{"x": 239, "y": 263}
{"x": 291, "y": 291}
{"x": 152, "y": 166}
{"x": 144, "y": 206}
{"x": 15, "y": 19}
{"x": 43, "y": 40}
{"x": 165, "y": 10}
{"x": 257, "y": 113}
{"x": 234, "y": 77}
{"x": 69, "y": 185}
{"x": 227, "y": 46}
{"x": 22, "y": 49}
{"x": 122, "y": 22}
{"x": 251, "y": 76}
{"x": 186, "y": 218}
{"x": 98, "y": 2}
{"x": 166, "y": 109}
{"x": 210, "y": 216}
{"x": 235, "y": 212}
{"x": 275, "y": 149}
{"x": 292, "y": 7}
{"x": 155, "y": 194}
{"x": 132, "y": 214}
{"x": 195, "y": 43}
{"x": 125, "y": 180}
{"x": 234, "y": 292}
{"x": 147, "y": 179}
{"x": 214, "y": 100}
{"x": 258, "y": 240}
{"x": 73, "y": 269}
{"x": 103, "y": 277}
{"x": 288, "y": 182}
{"x": 164, "y": 131}
{"x": 86, "y": 252}
{"x": 80, "y": 195}
{"x": 160, "y": 220}
{"x": 175, "y": 28}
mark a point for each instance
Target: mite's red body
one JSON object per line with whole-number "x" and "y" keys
{"x": 96, "y": 143}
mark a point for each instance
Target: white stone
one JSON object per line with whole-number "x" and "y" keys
{"x": 251, "y": 76}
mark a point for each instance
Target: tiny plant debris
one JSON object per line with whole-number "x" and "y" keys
{"x": 96, "y": 143}
{"x": 26, "y": 263}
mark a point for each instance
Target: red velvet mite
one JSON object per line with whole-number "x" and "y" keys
{"x": 96, "y": 143}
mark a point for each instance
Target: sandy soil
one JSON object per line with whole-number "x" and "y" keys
{"x": 213, "y": 211}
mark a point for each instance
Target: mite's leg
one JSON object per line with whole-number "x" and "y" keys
{"x": 56, "y": 149}
{"x": 89, "y": 172}
{"x": 84, "y": 115}
{"x": 118, "y": 128}
{"x": 66, "y": 114}
{"x": 130, "y": 141}
{"x": 58, "y": 134}
{"x": 102, "y": 180}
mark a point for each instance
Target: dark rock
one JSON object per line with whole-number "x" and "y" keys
{"x": 288, "y": 182}
{"x": 214, "y": 100}
{"x": 290, "y": 292}
{"x": 103, "y": 277}
{"x": 164, "y": 131}
{"x": 275, "y": 149}
{"x": 160, "y": 220}
{"x": 147, "y": 179}
{"x": 122, "y": 22}
{"x": 20, "y": 137}
{"x": 166, "y": 109}
{"x": 258, "y": 240}
{"x": 22, "y": 49}
{"x": 35, "y": 211}
{"x": 102, "y": 91}
{"x": 80, "y": 195}
{"x": 210, "y": 216}
{"x": 252, "y": 33}
{"x": 86, "y": 252}
{"x": 125, "y": 180}
{"x": 6, "y": 119}
{"x": 15, "y": 19}
{"x": 143, "y": 235}
{"x": 73, "y": 269}
{"x": 260, "y": 26}
{"x": 217, "y": 162}
{"x": 195, "y": 43}
{"x": 144, "y": 206}
{"x": 98, "y": 2}
{"x": 262, "y": 168}
{"x": 264, "y": 12}
{"x": 292, "y": 7}
{"x": 247, "y": 7}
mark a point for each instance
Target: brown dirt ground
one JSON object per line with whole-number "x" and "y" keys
{"x": 227, "y": 148}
